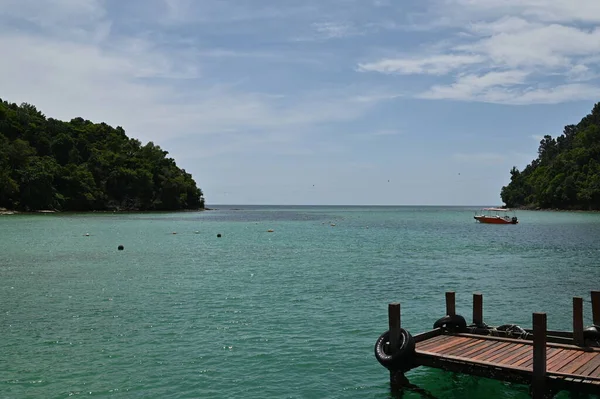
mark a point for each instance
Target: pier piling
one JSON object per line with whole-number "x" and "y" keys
{"x": 397, "y": 378}
{"x": 450, "y": 303}
{"x": 596, "y": 307}
{"x": 538, "y": 386}
{"x": 477, "y": 309}
{"x": 578, "y": 338}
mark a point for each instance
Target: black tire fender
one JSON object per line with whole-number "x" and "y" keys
{"x": 592, "y": 333}
{"x": 402, "y": 358}
{"x": 455, "y": 323}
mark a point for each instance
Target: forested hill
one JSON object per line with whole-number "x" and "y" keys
{"x": 566, "y": 173}
{"x": 82, "y": 166}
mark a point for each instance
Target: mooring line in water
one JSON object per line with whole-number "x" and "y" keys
{"x": 423, "y": 392}
{"x": 404, "y": 384}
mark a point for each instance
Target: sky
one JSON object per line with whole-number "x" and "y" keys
{"x": 316, "y": 102}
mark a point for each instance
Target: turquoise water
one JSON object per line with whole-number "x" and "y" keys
{"x": 289, "y": 314}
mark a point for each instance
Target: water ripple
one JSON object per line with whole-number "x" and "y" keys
{"x": 292, "y": 314}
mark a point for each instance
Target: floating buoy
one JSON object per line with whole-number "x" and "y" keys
{"x": 120, "y": 247}
{"x": 219, "y": 235}
{"x": 270, "y": 231}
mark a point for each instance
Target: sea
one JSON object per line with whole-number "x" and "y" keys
{"x": 291, "y": 313}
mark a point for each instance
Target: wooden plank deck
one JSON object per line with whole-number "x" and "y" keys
{"x": 546, "y": 360}
{"x": 567, "y": 365}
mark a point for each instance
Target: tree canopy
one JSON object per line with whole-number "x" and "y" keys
{"x": 83, "y": 166}
{"x": 566, "y": 173}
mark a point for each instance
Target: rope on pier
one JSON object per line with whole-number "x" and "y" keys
{"x": 514, "y": 331}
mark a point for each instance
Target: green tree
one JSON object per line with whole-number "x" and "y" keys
{"x": 80, "y": 165}
{"x": 566, "y": 173}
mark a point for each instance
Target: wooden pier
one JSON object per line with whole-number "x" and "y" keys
{"x": 548, "y": 361}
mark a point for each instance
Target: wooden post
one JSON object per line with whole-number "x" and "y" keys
{"x": 596, "y": 308}
{"x": 397, "y": 378}
{"x": 394, "y": 319}
{"x": 578, "y": 320}
{"x": 538, "y": 386}
{"x": 477, "y": 309}
{"x": 450, "y": 303}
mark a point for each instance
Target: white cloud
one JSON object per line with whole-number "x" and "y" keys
{"x": 50, "y": 12}
{"x": 543, "y": 10}
{"x": 155, "y": 93}
{"x": 553, "y": 95}
{"x": 511, "y": 52}
{"x": 234, "y": 12}
{"x": 322, "y": 31}
{"x": 476, "y": 91}
{"x": 240, "y": 142}
{"x": 374, "y": 97}
{"x": 581, "y": 73}
{"x": 476, "y": 86}
{"x": 537, "y": 46}
{"x": 73, "y": 20}
{"x": 177, "y": 10}
{"x": 332, "y": 30}
{"x": 207, "y": 79}
{"x": 506, "y": 24}
{"x": 435, "y": 64}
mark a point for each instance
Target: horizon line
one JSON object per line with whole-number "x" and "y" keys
{"x": 356, "y": 205}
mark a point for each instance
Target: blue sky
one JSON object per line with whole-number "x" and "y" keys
{"x": 316, "y": 101}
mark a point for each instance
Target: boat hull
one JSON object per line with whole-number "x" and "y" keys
{"x": 494, "y": 220}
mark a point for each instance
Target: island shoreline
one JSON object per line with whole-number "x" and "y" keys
{"x": 537, "y": 209}
{"x": 8, "y": 212}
